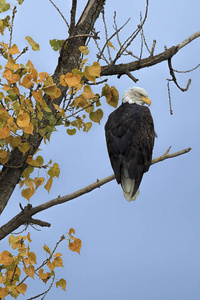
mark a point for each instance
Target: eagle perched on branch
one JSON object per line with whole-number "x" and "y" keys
{"x": 130, "y": 139}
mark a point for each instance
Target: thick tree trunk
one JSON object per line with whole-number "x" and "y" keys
{"x": 68, "y": 60}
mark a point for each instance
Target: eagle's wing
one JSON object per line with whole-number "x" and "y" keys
{"x": 130, "y": 139}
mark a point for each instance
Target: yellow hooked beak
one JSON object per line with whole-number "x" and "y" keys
{"x": 146, "y": 100}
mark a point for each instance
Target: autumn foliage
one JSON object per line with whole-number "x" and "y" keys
{"x": 28, "y": 106}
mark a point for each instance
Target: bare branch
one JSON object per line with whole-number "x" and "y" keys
{"x": 189, "y": 40}
{"x": 187, "y": 71}
{"x": 29, "y": 211}
{"x": 170, "y": 100}
{"x": 11, "y": 26}
{"x": 128, "y": 41}
{"x": 120, "y": 69}
{"x": 153, "y": 47}
{"x": 73, "y": 17}
{"x": 59, "y": 12}
{"x": 108, "y": 39}
{"x": 174, "y": 77}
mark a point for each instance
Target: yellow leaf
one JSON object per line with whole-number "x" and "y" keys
{"x": 111, "y": 45}
{"x": 48, "y": 184}
{"x": 38, "y": 95}
{"x": 87, "y": 92}
{"x": 32, "y": 258}
{"x": 10, "y": 77}
{"x": 23, "y": 119}
{"x": 34, "y": 45}
{"x": 43, "y": 76}
{"x": 15, "y": 241}
{"x": 29, "y": 271}
{"x": 29, "y": 237}
{"x": 87, "y": 126}
{"x": 57, "y": 255}
{"x": 84, "y": 50}
{"x": 16, "y": 90}
{"x": 4, "y": 132}
{"x": 44, "y": 276}
{"x": 61, "y": 283}
{"x": 75, "y": 245}
{"x": 33, "y": 71}
{"x": 3, "y": 292}
{"x": 80, "y": 101}
{"x": 96, "y": 116}
{"x": 27, "y": 193}
{"x": 38, "y": 162}
{"x": 12, "y": 65}
{"x": 38, "y": 181}
{"x": 6, "y": 258}
{"x": 28, "y": 129}
{"x": 4, "y": 156}
{"x": 71, "y": 80}
{"x": 50, "y": 90}
{"x": 29, "y": 183}
{"x": 111, "y": 94}
{"x": 58, "y": 262}
{"x": 13, "y": 50}
{"x": 57, "y": 107}
{"x": 91, "y": 72}
{"x": 24, "y": 147}
{"x": 83, "y": 62}
{"x": 50, "y": 265}
{"x": 54, "y": 171}
{"x": 46, "y": 248}
{"x": 21, "y": 288}
{"x": 26, "y": 81}
{"x": 72, "y": 230}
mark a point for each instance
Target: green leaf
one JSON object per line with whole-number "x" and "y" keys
{"x": 4, "y": 6}
{"x": 96, "y": 116}
{"x": 20, "y": 1}
{"x": 71, "y": 131}
{"x": 24, "y": 147}
{"x": 56, "y": 44}
{"x": 87, "y": 126}
{"x": 34, "y": 45}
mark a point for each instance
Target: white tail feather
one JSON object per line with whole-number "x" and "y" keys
{"x": 128, "y": 187}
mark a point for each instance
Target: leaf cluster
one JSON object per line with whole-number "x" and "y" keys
{"x": 21, "y": 264}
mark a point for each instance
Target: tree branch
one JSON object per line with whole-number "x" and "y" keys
{"x": 121, "y": 69}
{"x": 25, "y": 215}
{"x": 68, "y": 60}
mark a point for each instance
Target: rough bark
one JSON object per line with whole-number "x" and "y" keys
{"x": 68, "y": 60}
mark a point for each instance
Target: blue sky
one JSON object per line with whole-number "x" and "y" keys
{"x": 143, "y": 250}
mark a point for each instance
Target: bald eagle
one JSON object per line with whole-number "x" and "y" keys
{"x": 130, "y": 139}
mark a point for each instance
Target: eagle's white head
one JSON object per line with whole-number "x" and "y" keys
{"x": 136, "y": 95}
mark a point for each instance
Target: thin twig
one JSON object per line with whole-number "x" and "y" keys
{"x": 170, "y": 100}
{"x": 174, "y": 77}
{"x": 115, "y": 33}
{"x": 59, "y": 12}
{"x": 187, "y": 71}
{"x": 11, "y": 26}
{"x": 45, "y": 292}
{"x": 153, "y": 47}
{"x": 106, "y": 35}
{"x": 130, "y": 39}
